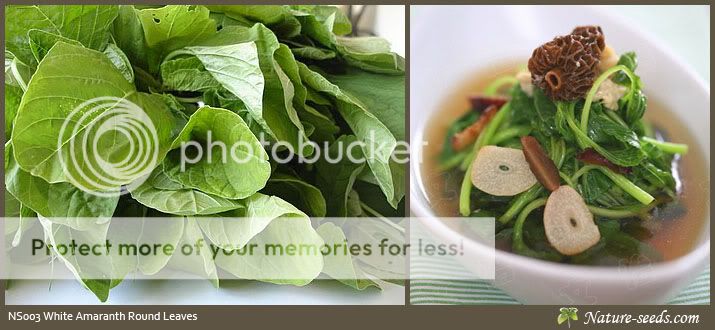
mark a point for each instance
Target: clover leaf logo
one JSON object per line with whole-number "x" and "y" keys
{"x": 566, "y": 314}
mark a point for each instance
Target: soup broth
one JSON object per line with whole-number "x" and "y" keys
{"x": 673, "y": 229}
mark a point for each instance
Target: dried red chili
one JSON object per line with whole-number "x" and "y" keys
{"x": 540, "y": 164}
{"x": 480, "y": 103}
{"x": 468, "y": 135}
{"x": 591, "y": 156}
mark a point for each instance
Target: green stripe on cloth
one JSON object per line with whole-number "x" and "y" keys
{"x": 697, "y": 293}
{"x": 443, "y": 280}
{"x": 456, "y": 292}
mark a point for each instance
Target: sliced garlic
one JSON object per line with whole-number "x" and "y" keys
{"x": 568, "y": 223}
{"x": 609, "y": 58}
{"x": 524, "y": 78}
{"x": 501, "y": 171}
{"x": 610, "y": 92}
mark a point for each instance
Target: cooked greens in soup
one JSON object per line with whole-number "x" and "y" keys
{"x": 570, "y": 156}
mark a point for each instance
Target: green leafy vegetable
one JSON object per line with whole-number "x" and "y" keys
{"x": 55, "y": 200}
{"x": 620, "y": 171}
{"x": 161, "y": 193}
{"x": 89, "y": 25}
{"x": 287, "y": 225}
{"x": 297, "y": 192}
{"x": 236, "y": 173}
{"x": 173, "y": 27}
{"x": 336, "y": 180}
{"x": 279, "y": 86}
{"x": 338, "y": 265}
{"x": 68, "y": 76}
{"x": 368, "y": 129}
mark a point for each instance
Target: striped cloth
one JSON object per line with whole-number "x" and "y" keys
{"x": 445, "y": 281}
{"x": 462, "y": 292}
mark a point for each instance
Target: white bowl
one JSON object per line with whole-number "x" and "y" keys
{"x": 448, "y": 43}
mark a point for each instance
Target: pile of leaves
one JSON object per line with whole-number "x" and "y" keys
{"x": 241, "y": 72}
{"x": 614, "y": 158}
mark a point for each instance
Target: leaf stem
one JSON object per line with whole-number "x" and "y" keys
{"x": 594, "y": 88}
{"x": 381, "y": 217}
{"x": 668, "y": 147}
{"x": 568, "y": 180}
{"x": 620, "y": 180}
{"x": 518, "y": 244}
{"x": 465, "y": 193}
{"x": 493, "y": 88}
{"x": 520, "y": 201}
{"x": 453, "y": 161}
{"x": 370, "y": 210}
{"x": 518, "y": 236}
{"x": 616, "y": 118}
{"x": 509, "y": 133}
{"x": 16, "y": 74}
{"x": 581, "y": 171}
{"x": 620, "y": 213}
{"x": 192, "y": 100}
{"x": 176, "y": 53}
{"x": 584, "y": 141}
{"x": 147, "y": 78}
{"x": 558, "y": 152}
{"x": 647, "y": 129}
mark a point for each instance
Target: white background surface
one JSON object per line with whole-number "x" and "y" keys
{"x": 680, "y": 27}
{"x": 676, "y": 26}
{"x": 390, "y": 24}
{"x": 197, "y": 292}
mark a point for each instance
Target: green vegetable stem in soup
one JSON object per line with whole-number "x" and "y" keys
{"x": 633, "y": 166}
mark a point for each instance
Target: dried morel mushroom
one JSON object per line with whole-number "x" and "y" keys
{"x": 593, "y": 35}
{"x": 566, "y": 67}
